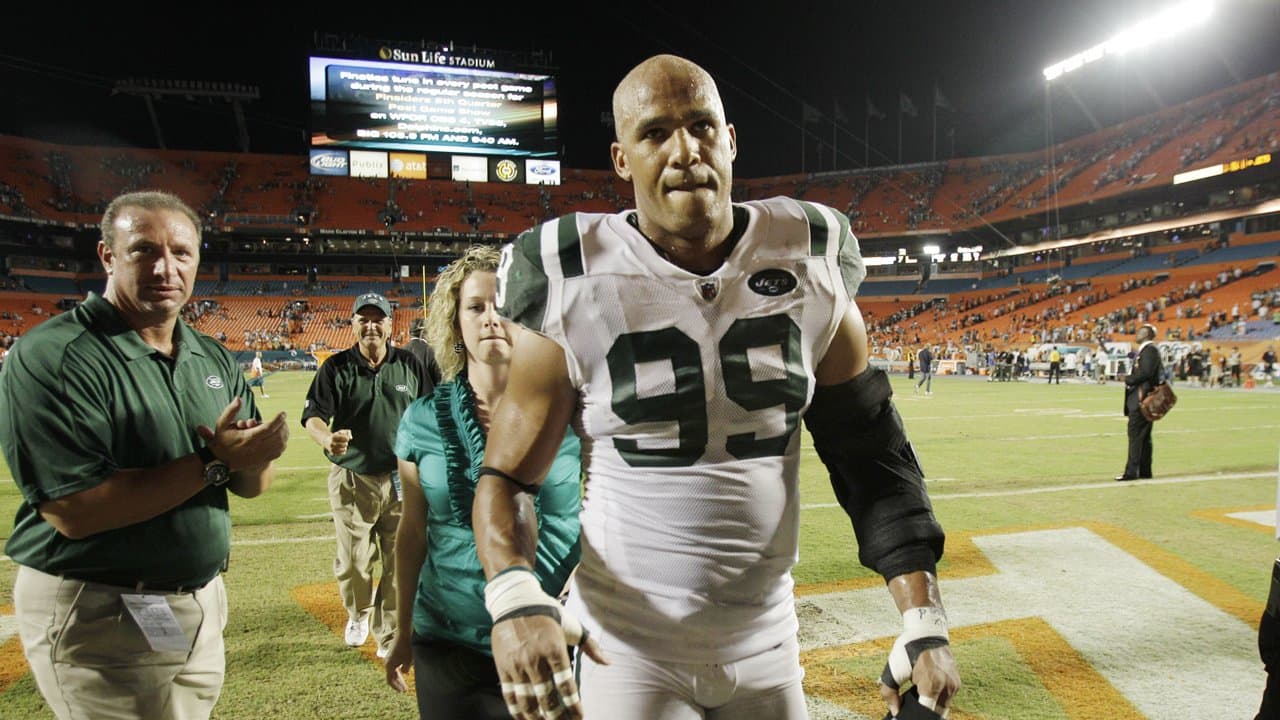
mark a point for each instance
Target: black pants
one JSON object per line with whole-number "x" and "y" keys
{"x": 1055, "y": 372}
{"x": 1269, "y": 649}
{"x": 1139, "y": 462}
{"x": 455, "y": 682}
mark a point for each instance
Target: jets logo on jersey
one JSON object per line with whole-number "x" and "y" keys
{"x": 214, "y": 382}
{"x": 772, "y": 282}
{"x": 708, "y": 288}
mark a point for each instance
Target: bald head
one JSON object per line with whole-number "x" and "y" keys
{"x": 1146, "y": 332}
{"x": 659, "y": 77}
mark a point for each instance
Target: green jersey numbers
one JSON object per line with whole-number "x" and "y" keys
{"x": 790, "y": 391}
{"x": 686, "y": 403}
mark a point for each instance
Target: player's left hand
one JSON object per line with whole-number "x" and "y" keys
{"x": 936, "y": 677}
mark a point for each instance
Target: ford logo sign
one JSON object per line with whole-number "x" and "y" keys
{"x": 542, "y": 170}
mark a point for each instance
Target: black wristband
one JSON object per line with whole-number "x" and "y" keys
{"x": 526, "y": 487}
{"x": 205, "y": 454}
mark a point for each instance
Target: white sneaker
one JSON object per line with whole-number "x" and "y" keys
{"x": 357, "y": 632}
{"x": 265, "y": 396}
{"x": 383, "y": 653}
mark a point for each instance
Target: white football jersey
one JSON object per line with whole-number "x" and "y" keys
{"x": 691, "y": 392}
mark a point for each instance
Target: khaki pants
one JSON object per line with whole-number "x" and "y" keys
{"x": 365, "y": 516}
{"x": 91, "y": 661}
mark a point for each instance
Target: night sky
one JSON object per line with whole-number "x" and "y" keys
{"x": 984, "y": 56}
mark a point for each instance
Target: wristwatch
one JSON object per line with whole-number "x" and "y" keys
{"x": 216, "y": 472}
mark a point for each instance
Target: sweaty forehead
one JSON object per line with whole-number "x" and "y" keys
{"x": 662, "y": 89}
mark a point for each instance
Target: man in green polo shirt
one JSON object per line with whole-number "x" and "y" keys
{"x": 352, "y": 411}
{"x": 124, "y": 429}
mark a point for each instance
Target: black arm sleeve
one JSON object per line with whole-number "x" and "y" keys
{"x": 321, "y": 397}
{"x": 875, "y": 475}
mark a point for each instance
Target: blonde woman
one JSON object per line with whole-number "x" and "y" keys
{"x": 444, "y": 627}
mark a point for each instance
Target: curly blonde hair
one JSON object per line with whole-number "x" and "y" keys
{"x": 442, "y": 309}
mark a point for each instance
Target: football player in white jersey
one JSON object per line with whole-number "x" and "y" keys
{"x": 685, "y": 340}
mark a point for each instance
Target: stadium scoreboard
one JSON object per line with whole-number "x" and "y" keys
{"x": 406, "y": 112}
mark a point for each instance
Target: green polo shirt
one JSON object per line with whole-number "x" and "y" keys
{"x": 83, "y": 397}
{"x": 347, "y": 393}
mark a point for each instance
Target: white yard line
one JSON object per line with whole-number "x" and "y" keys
{"x": 1111, "y": 485}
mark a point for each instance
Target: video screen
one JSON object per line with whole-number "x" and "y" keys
{"x": 396, "y": 106}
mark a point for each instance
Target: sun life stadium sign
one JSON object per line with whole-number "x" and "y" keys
{"x": 435, "y": 57}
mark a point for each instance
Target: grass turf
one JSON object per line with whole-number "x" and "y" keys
{"x": 1000, "y": 457}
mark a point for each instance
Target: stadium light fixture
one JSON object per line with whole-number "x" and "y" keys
{"x": 1168, "y": 23}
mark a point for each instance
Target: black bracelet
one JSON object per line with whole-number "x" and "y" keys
{"x": 526, "y": 487}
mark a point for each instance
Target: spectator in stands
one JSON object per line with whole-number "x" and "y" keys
{"x": 124, "y": 471}
{"x": 1147, "y": 373}
{"x": 675, "y": 601}
{"x": 926, "y": 371}
{"x": 352, "y": 410}
{"x": 443, "y": 627}
{"x": 256, "y": 377}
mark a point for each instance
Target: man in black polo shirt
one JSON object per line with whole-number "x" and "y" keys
{"x": 124, "y": 429}
{"x": 421, "y": 349}
{"x": 352, "y": 411}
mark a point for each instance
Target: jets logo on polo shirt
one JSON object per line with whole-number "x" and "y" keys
{"x": 403, "y": 388}
{"x": 214, "y": 382}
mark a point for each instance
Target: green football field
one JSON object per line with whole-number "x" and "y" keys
{"x": 1070, "y": 595}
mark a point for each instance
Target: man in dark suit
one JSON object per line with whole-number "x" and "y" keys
{"x": 1146, "y": 374}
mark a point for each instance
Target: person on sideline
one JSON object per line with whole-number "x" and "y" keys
{"x": 443, "y": 627}
{"x": 125, "y": 428}
{"x": 421, "y": 349}
{"x": 256, "y": 377}
{"x": 352, "y": 410}
{"x": 687, "y": 339}
{"x": 926, "y": 371}
{"x": 1146, "y": 374}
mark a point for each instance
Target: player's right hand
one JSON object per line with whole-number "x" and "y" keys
{"x": 338, "y": 442}
{"x": 533, "y": 665}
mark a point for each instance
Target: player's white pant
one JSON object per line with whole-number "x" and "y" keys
{"x": 767, "y": 686}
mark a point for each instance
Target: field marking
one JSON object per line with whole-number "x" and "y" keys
{"x": 1259, "y": 518}
{"x": 1265, "y": 518}
{"x": 283, "y": 541}
{"x": 1069, "y": 578}
{"x": 1066, "y": 676}
{"x": 1177, "y": 431}
{"x": 1073, "y": 413}
{"x": 808, "y": 447}
{"x": 1068, "y": 488}
{"x": 314, "y": 516}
